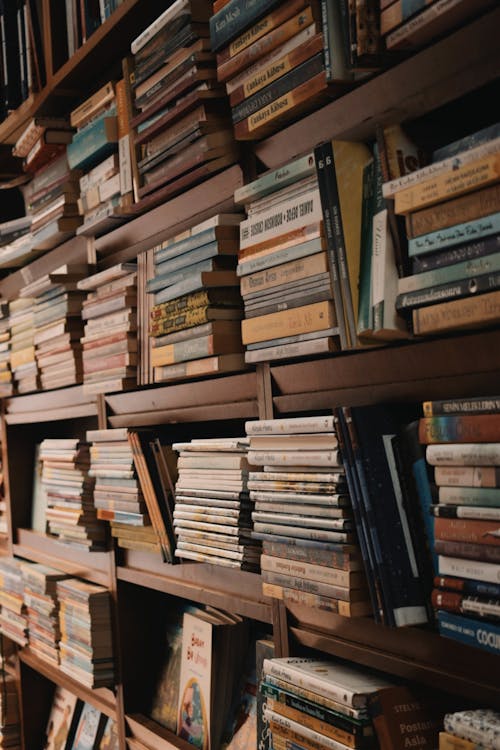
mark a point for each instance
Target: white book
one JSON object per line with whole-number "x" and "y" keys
{"x": 159, "y": 23}
{"x": 290, "y": 426}
{"x": 295, "y": 458}
{"x": 463, "y": 454}
{"x": 481, "y": 726}
{"x": 470, "y": 569}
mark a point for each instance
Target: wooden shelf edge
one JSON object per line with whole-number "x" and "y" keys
{"x": 153, "y": 735}
{"x": 101, "y": 698}
{"x": 35, "y": 403}
{"x": 446, "y": 70}
{"x": 229, "y": 589}
{"x": 212, "y": 413}
{"x": 52, "y": 415}
{"x": 450, "y": 681}
{"x": 92, "y": 566}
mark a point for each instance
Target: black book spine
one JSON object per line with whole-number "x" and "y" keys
{"x": 235, "y": 17}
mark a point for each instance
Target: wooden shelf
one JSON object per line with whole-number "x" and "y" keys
{"x": 226, "y": 397}
{"x": 215, "y": 195}
{"x": 451, "y": 68}
{"x": 101, "y": 698}
{"x": 413, "y": 653}
{"x": 50, "y": 406}
{"x": 109, "y": 43}
{"x": 152, "y": 735}
{"x": 233, "y": 590}
{"x": 93, "y": 566}
{"x": 449, "y": 367}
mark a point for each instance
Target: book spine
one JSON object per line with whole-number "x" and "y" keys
{"x": 452, "y": 742}
{"x": 92, "y": 144}
{"x": 287, "y": 273}
{"x": 90, "y": 106}
{"x": 457, "y": 314}
{"x": 291, "y": 458}
{"x": 472, "y": 176}
{"x": 457, "y": 272}
{"x": 452, "y": 454}
{"x": 174, "y": 249}
{"x": 468, "y": 143}
{"x": 330, "y": 559}
{"x": 469, "y": 587}
{"x": 459, "y": 159}
{"x": 474, "y": 428}
{"x": 455, "y": 211}
{"x": 270, "y": 258}
{"x": 315, "y": 317}
{"x": 316, "y": 684}
{"x": 438, "y": 241}
{"x": 365, "y": 310}
{"x": 476, "y": 633}
{"x": 465, "y": 477}
{"x": 299, "y": 732}
{"x": 194, "y": 317}
{"x": 427, "y": 24}
{"x": 234, "y": 17}
{"x": 481, "y": 496}
{"x": 290, "y": 426}
{"x": 311, "y": 571}
{"x": 455, "y": 290}
{"x": 467, "y": 530}
{"x": 467, "y": 512}
{"x": 472, "y": 570}
{"x": 479, "y": 405}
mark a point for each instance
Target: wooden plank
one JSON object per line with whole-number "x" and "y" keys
{"x": 264, "y": 391}
{"x": 234, "y": 590}
{"x": 101, "y": 698}
{"x": 218, "y": 390}
{"x": 45, "y": 400}
{"x": 93, "y": 566}
{"x": 152, "y": 735}
{"x": 195, "y": 205}
{"x": 458, "y": 64}
{"x": 214, "y": 412}
{"x": 52, "y": 415}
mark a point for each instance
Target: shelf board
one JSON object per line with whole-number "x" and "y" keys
{"x": 101, "y": 698}
{"x": 225, "y": 397}
{"x": 93, "y": 566}
{"x": 215, "y": 195}
{"x": 416, "y": 654}
{"x": 450, "y": 367}
{"x": 447, "y": 70}
{"x": 108, "y": 44}
{"x": 230, "y": 589}
{"x": 49, "y": 406}
{"x": 152, "y": 735}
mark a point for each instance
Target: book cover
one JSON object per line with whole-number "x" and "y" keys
{"x": 195, "y": 682}
{"x": 63, "y": 718}
{"x": 89, "y": 729}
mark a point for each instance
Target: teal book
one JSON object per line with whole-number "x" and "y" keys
{"x": 94, "y": 143}
{"x": 468, "y": 269}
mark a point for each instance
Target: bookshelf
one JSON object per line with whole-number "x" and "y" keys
{"x": 453, "y": 366}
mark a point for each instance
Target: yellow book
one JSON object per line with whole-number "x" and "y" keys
{"x": 315, "y": 317}
{"x": 22, "y": 357}
{"x": 479, "y": 173}
{"x": 450, "y": 742}
{"x": 459, "y": 314}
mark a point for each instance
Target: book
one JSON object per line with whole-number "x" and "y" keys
{"x": 63, "y": 719}
{"x": 479, "y": 725}
{"x": 469, "y": 631}
{"x": 402, "y": 715}
{"x": 459, "y": 314}
{"x": 89, "y": 729}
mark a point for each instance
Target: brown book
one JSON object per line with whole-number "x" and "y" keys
{"x": 393, "y": 15}
{"x": 466, "y": 530}
{"x": 315, "y": 317}
{"x": 456, "y": 211}
{"x": 229, "y": 68}
{"x": 192, "y": 77}
{"x": 404, "y": 718}
{"x": 470, "y": 312}
{"x": 45, "y": 153}
{"x": 98, "y": 364}
{"x": 197, "y": 367}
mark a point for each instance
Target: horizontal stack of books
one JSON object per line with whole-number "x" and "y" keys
{"x": 95, "y": 140}
{"x": 451, "y": 211}
{"x": 408, "y": 27}
{"x": 13, "y": 617}
{"x": 302, "y": 513}
{"x": 118, "y": 495}
{"x": 10, "y": 727}
{"x": 462, "y": 445}
{"x": 42, "y": 608}
{"x": 212, "y": 515}
{"x": 311, "y": 703}
{"x": 283, "y": 265}
{"x": 22, "y": 345}
{"x": 182, "y": 132}
{"x": 195, "y": 319}
{"x": 6, "y": 381}
{"x": 15, "y": 242}
{"x": 86, "y": 645}
{"x": 70, "y": 513}
{"x": 278, "y": 60}
{"x": 109, "y": 342}
{"x": 470, "y": 730}
{"x": 58, "y": 326}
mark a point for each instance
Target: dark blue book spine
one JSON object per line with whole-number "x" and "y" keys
{"x": 468, "y": 587}
{"x": 470, "y": 141}
{"x": 478, "y": 633}
{"x": 408, "y": 301}
{"x": 469, "y": 251}
{"x": 235, "y": 17}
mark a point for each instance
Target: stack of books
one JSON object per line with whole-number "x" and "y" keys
{"x": 183, "y": 131}
{"x": 405, "y": 27}
{"x": 318, "y": 703}
{"x": 461, "y": 439}
{"x": 117, "y": 494}
{"x": 470, "y": 730}
{"x": 110, "y": 335}
{"x": 212, "y": 515}
{"x": 13, "y": 618}
{"x": 303, "y": 516}
{"x": 95, "y": 140}
{"x": 6, "y": 381}
{"x": 58, "y": 326}
{"x": 10, "y": 726}
{"x": 283, "y": 265}
{"x": 15, "y": 242}
{"x": 22, "y": 345}
{"x": 272, "y": 58}
{"x": 70, "y": 513}
{"x": 42, "y": 608}
{"x": 451, "y": 211}
{"x": 195, "y": 318}
{"x": 86, "y": 646}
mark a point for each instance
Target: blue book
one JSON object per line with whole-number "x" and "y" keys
{"x": 470, "y": 141}
{"x": 188, "y": 259}
{"x": 167, "y": 280}
{"x": 469, "y": 587}
{"x": 173, "y": 249}
{"x": 94, "y": 142}
{"x": 478, "y": 633}
{"x": 458, "y": 234}
{"x": 234, "y": 18}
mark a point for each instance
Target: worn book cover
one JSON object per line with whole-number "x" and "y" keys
{"x": 193, "y": 709}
